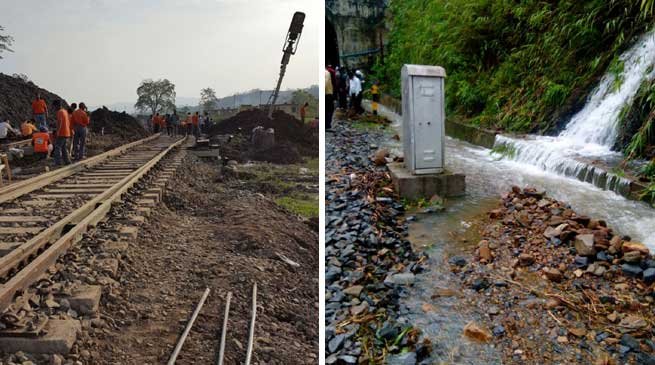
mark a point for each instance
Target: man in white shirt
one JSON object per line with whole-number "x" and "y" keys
{"x": 5, "y": 127}
{"x": 355, "y": 93}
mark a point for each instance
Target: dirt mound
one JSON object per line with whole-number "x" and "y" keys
{"x": 282, "y": 153}
{"x": 287, "y": 128}
{"x": 16, "y": 96}
{"x": 122, "y": 124}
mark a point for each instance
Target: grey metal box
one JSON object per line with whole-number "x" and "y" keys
{"x": 423, "y": 118}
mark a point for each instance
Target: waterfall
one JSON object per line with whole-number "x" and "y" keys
{"x": 585, "y": 144}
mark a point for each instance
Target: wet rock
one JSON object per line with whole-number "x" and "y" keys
{"x": 526, "y": 259}
{"x": 635, "y": 246}
{"x": 457, "y": 261}
{"x": 499, "y": 330}
{"x": 479, "y": 284}
{"x": 407, "y": 358}
{"x": 631, "y": 342}
{"x": 400, "y": 279}
{"x": 347, "y": 359}
{"x": 631, "y": 270}
{"x": 388, "y": 331}
{"x": 354, "y": 290}
{"x": 553, "y": 274}
{"x": 649, "y": 275}
{"x": 581, "y": 261}
{"x": 584, "y": 245}
{"x": 632, "y": 257}
{"x": 485, "y": 251}
{"x": 476, "y": 332}
{"x": 336, "y": 343}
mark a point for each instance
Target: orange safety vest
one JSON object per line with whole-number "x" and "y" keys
{"x": 63, "y": 123}
{"x": 194, "y": 119}
{"x": 41, "y": 141}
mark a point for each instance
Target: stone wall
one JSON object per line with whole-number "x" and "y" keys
{"x": 359, "y": 25}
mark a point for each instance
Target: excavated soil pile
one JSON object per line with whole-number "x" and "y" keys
{"x": 122, "y": 125}
{"x": 287, "y": 129}
{"x": 16, "y": 96}
{"x": 282, "y": 153}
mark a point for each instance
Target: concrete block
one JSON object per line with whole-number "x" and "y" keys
{"x": 59, "y": 339}
{"x": 144, "y": 211}
{"x": 120, "y": 246}
{"x": 109, "y": 266}
{"x": 129, "y": 232}
{"x": 86, "y": 299}
{"x": 137, "y": 220}
{"x": 150, "y": 203}
{"x": 446, "y": 184}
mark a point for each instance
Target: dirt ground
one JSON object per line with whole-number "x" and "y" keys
{"x": 205, "y": 234}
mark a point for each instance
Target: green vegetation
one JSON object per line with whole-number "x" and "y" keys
{"x": 290, "y": 186}
{"x": 513, "y": 65}
{"x": 505, "y": 150}
{"x": 303, "y": 204}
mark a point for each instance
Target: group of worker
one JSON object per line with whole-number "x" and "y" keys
{"x": 71, "y": 122}
{"x": 193, "y": 124}
{"x": 346, "y": 88}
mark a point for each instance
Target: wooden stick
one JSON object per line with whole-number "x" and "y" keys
{"x": 178, "y": 347}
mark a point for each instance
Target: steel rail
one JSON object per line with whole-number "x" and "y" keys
{"x": 86, "y": 216}
{"x": 221, "y": 349}
{"x": 18, "y": 189}
{"x": 251, "y": 334}
{"x": 187, "y": 329}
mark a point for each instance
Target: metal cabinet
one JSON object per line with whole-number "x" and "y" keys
{"x": 423, "y": 118}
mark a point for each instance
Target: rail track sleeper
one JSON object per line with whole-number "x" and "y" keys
{"x": 89, "y": 214}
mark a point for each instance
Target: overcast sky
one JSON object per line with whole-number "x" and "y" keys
{"x": 99, "y": 51}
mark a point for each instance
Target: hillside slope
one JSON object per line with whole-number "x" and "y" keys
{"x": 16, "y": 96}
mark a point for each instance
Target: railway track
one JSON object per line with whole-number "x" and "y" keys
{"x": 42, "y": 217}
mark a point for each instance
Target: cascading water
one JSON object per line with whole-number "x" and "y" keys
{"x": 591, "y": 133}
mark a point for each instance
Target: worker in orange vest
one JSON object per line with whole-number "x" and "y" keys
{"x": 195, "y": 120}
{"x": 40, "y": 111}
{"x": 188, "y": 123}
{"x": 80, "y": 123}
{"x": 63, "y": 134}
{"x": 27, "y": 128}
{"x": 41, "y": 143}
{"x": 303, "y": 112}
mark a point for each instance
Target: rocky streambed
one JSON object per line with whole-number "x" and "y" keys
{"x": 369, "y": 262}
{"x": 559, "y": 287}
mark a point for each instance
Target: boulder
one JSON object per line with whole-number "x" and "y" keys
{"x": 635, "y": 246}
{"x": 584, "y": 245}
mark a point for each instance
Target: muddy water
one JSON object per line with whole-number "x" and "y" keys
{"x": 442, "y": 235}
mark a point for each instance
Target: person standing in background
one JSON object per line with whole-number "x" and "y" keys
{"x": 40, "y": 111}
{"x": 63, "y": 134}
{"x": 80, "y": 123}
{"x": 303, "y": 112}
{"x": 355, "y": 91}
{"x": 329, "y": 101}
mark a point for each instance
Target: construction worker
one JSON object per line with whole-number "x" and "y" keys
{"x": 329, "y": 101}
{"x": 80, "y": 123}
{"x": 303, "y": 112}
{"x": 27, "y": 128}
{"x": 188, "y": 124}
{"x": 156, "y": 123}
{"x": 5, "y": 130}
{"x": 63, "y": 134}
{"x": 41, "y": 143}
{"x": 175, "y": 122}
{"x": 195, "y": 121}
{"x": 375, "y": 93}
{"x": 40, "y": 111}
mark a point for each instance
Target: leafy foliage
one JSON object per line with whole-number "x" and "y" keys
{"x": 512, "y": 65}
{"x": 5, "y": 42}
{"x": 300, "y": 97}
{"x": 156, "y": 96}
{"x": 208, "y": 99}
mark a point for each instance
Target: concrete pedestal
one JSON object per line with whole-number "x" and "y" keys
{"x": 445, "y": 184}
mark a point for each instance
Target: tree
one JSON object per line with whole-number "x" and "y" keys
{"x": 208, "y": 99}
{"x": 5, "y": 42}
{"x": 155, "y": 96}
{"x": 300, "y": 97}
